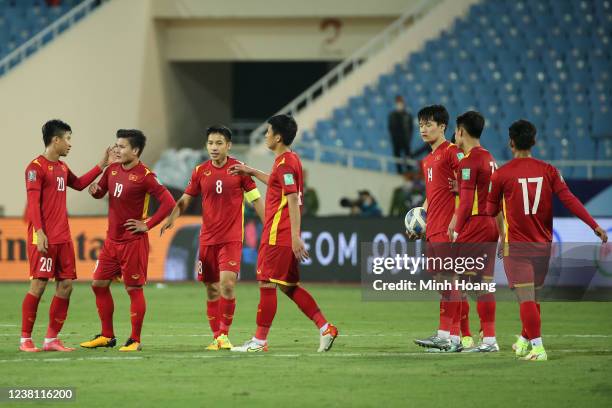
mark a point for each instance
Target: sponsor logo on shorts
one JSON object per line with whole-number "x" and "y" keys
{"x": 135, "y": 276}
{"x": 233, "y": 263}
{"x": 259, "y": 271}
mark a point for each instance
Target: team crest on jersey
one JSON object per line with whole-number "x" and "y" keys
{"x": 460, "y": 155}
{"x": 31, "y": 175}
{"x": 114, "y": 173}
{"x": 133, "y": 177}
{"x": 64, "y": 168}
{"x": 465, "y": 174}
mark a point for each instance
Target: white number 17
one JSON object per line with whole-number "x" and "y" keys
{"x": 536, "y": 201}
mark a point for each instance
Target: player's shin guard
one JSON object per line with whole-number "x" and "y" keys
{"x": 531, "y": 319}
{"x": 212, "y": 313}
{"x": 304, "y": 300}
{"x": 265, "y": 312}
{"x": 486, "y": 313}
{"x": 106, "y": 308}
{"x": 465, "y": 318}
{"x": 29, "y": 307}
{"x": 226, "y": 311}
{"x": 138, "y": 308}
{"x": 57, "y": 315}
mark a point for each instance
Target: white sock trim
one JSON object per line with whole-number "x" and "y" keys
{"x": 323, "y": 328}
{"x": 444, "y": 334}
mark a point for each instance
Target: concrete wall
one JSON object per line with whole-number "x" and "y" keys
{"x": 103, "y": 74}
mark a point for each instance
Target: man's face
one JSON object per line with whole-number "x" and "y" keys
{"x": 272, "y": 139}
{"x": 124, "y": 152}
{"x": 62, "y": 144}
{"x": 431, "y": 131}
{"x": 217, "y": 146}
{"x": 459, "y": 137}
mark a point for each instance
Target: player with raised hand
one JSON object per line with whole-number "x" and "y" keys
{"x": 281, "y": 246}
{"x": 50, "y": 248}
{"x": 524, "y": 189}
{"x": 125, "y": 254}
{"x": 476, "y": 232}
{"x": 222, "y": 230}
{"x": 439, "y": 168}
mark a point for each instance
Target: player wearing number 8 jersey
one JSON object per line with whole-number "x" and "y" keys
{"x": 281, "y": 246}
{"x": 50, "y": 248}
{"x": 221, "y": 235}
{"x": 523, "y": 190}
{"x": 130, "y": 185}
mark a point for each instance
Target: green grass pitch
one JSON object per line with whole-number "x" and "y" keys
{"x": 373, "y": 362}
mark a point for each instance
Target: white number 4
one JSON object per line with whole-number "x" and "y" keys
{"x": 536, "y": 201}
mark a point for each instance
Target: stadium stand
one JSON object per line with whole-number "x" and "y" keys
{"x": 545, "y": 60}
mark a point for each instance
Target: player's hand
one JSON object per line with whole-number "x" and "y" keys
{"x": 241, "y": 170}
{"x": 42, "y": 244}
{"x": 167, "y": 225}
{"x": 451, "y": 228}
{"x": 413, "y": 237}
{"x": 106, "y": 159}
{"x": 500, "y": 246}
{"x": 299, "y": 249}
{"x": 136, "y": 226}
{"x": 601, "y": 234}
{"x": 453, "y": 186}
{"x": 94, "y": 188}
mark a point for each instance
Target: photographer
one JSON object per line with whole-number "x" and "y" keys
{"x": 364, "y": 206}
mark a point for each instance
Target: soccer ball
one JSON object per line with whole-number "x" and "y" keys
{"x": 415, "y": 220}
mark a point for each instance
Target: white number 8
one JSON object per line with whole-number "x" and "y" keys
{"x": 219, "y": 186}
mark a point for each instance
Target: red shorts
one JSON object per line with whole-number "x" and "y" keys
{"x": 277, "y": 264}
{"x": 437, "y": 246}
{"x": 478, "y": 239}
{"x": 128, "y": 260}
{"x": 216, "y": 258}
{"x": 58, "y": 263}
{"x": 524, "y": 271}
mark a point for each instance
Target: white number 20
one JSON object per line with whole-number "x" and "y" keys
{"x": 46, "y": 264}
{"x": 536, "y": 201}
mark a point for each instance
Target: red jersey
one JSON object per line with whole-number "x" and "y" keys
{"x": 438, "y": 167}
{"x": 129, "y": 196}
{"x": 46, "y": 183}
{"x": 285, "y": 178}
{"x": 525, "y": 187}
{"x": 473, "y": 178}
{"x": 222, "y": 201}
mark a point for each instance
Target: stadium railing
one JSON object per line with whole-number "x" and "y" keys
{"x": 349, "y": 65}
{"x": 45, "y": 36}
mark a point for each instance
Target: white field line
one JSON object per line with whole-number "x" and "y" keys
{"x": 65, "y": 359}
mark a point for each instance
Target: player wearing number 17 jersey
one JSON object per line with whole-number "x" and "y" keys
{"x": 50, "y": 248}
{"x": 281, "y": 246}
{"x": 130, "y": 185}
{"x": 221, "y": 235}
{"x": 523, "y": 188}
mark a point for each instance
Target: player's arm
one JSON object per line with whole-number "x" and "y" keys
{"x": 80, "y": 183}
{"x": 34, "y": 179}
{"x": 253, "y": 196}
{"x": 166, "y": 204}
{"x": 425, "y": 205}
{"x": 494, "y": 196}
{"x": 297, "y": 245}
{"x": 499, "y": 220}
{"x": 244, "y": 170}
{"x": 466, "y": 196}
{"x": 99, "y": 189}
{"x": 572, "y": 203}
{"x": 181, "y": 206}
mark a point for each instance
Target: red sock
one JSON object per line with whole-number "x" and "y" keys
{"x": 456, "y": 325}
{"x": 57, "y": 316}
{"x": 265, "y": 312}
{"x": 28, "y": 314}
{"x": 531, "y": 319}
{"x": 448, "y": 309}
{"x": 304, "y": 300}
{"x": 212, "y": 312}
{"x": 106, "y": 308}
{"x": 486, "y": 312}
{"x": 138, "y": 308}
{"x": 465, "y": 318}
{"x": 226, "y": 310}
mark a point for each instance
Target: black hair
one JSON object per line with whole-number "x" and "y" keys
{"x": 436, "y": 113}
{"x": 472, "y": 122}
{"x": 135, "y": 137}
{"x": 285, "y": 126}
{"x": 52, "y": 128}
{"x": 523, "y": 134}
{"x": 222, "y": 130}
